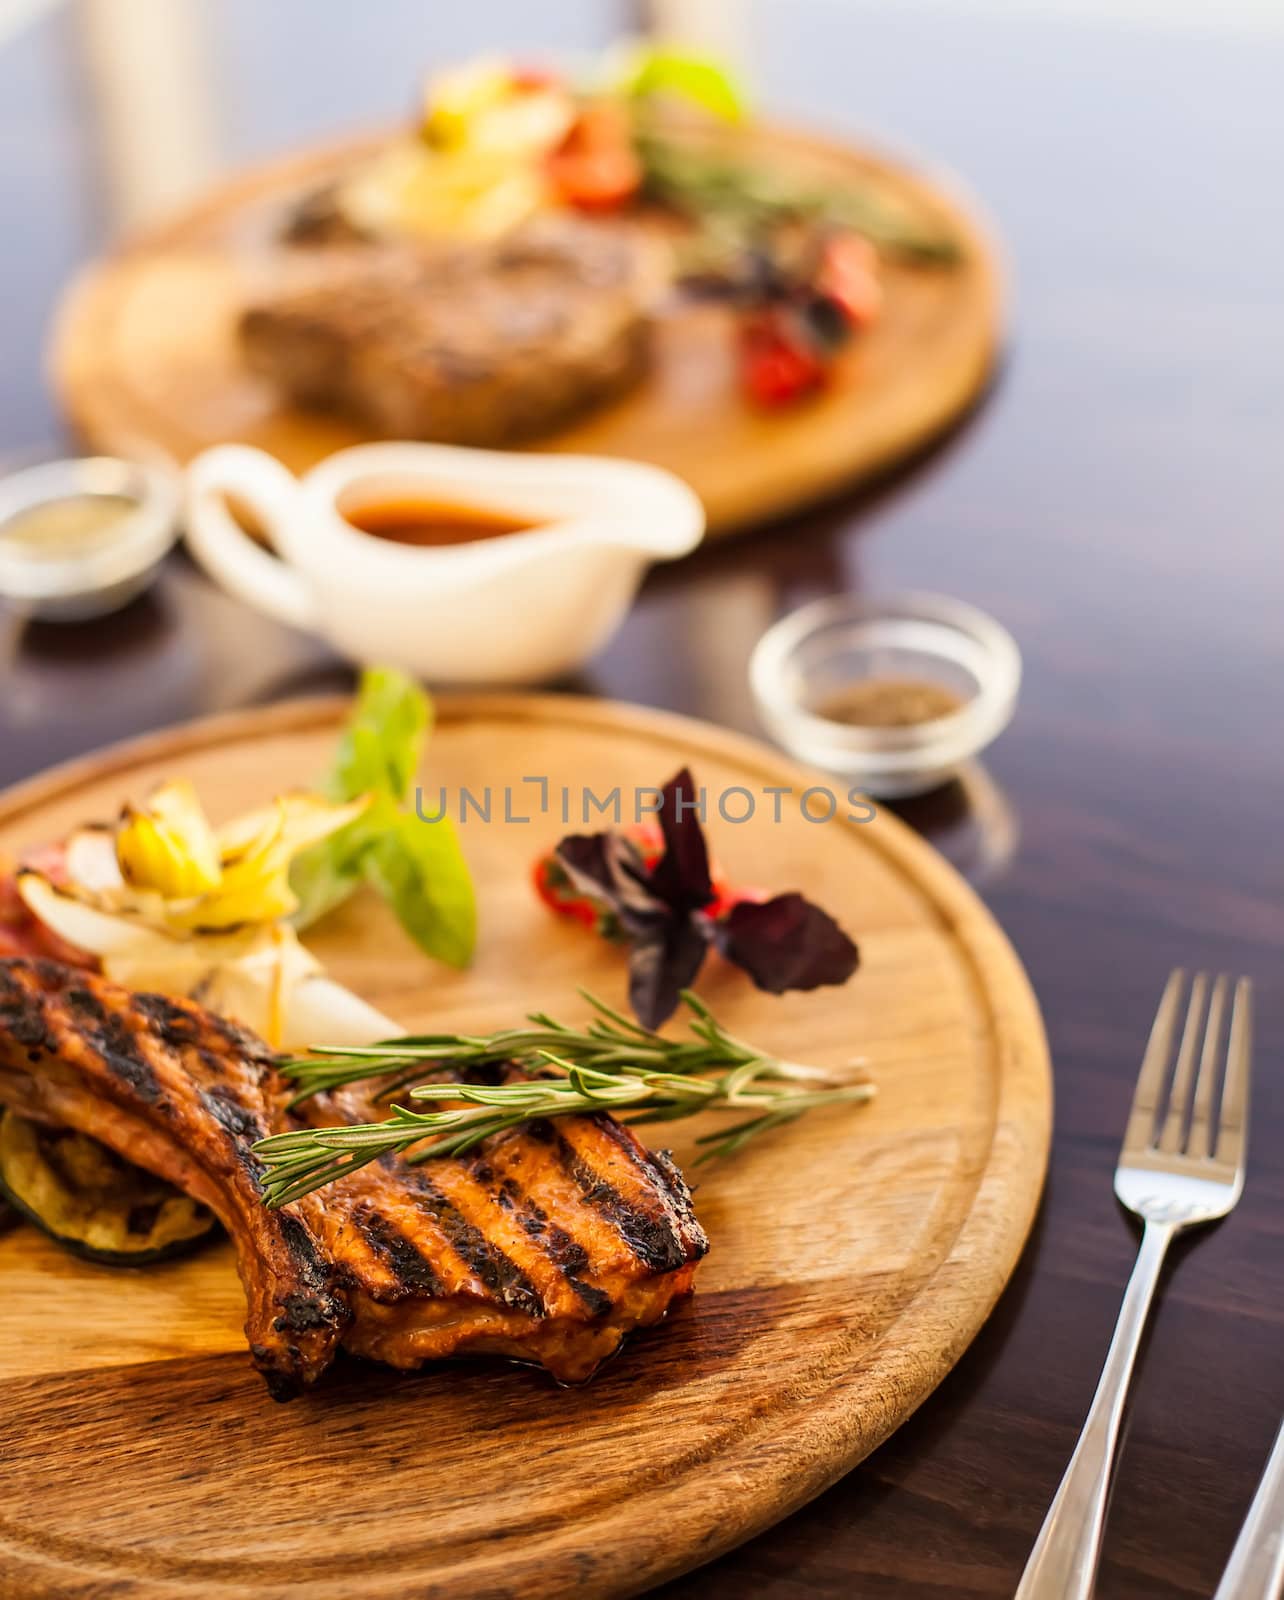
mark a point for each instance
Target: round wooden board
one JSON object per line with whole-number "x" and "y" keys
{"x": 145, "y": 354}
{"x": 853, "y": 1256}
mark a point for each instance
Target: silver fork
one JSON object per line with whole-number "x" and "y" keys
{"x": 1182, "y": 1164}
{"x": 1256, "y": 1567}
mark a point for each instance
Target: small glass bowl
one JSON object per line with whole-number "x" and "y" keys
{"x": 74, "y": 586}
{"x": 811, "y": 656}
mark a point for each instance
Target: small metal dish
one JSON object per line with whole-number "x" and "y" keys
{"x": 811, "y": 656}
{"x": 113, "y": 565}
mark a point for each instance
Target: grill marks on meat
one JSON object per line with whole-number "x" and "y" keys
{"x": 548, "y": 1243}
{"x": 503, "y": 1251}
{"x": 142, "y": 1073}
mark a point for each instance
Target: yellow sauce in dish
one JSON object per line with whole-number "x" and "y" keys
{"x": 63, "y": 529}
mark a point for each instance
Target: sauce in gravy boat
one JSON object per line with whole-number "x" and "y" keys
{"x": 463, "y": 566}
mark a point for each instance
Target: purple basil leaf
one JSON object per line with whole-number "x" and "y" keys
{"x": 681, "y": 876}
{"x": 664, "y": 962}
{"x": 786, "y": 943}
{"x": 608, "y": 867}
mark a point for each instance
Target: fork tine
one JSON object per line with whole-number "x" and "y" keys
{"x": 1140, "y": 1132}
{"x": 1233, "y": 1125}
{"x": 1199, "y": 1145}
{"x": 1171, "y": 1138}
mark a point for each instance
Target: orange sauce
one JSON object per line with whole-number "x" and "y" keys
{"x": 433, "y": 522}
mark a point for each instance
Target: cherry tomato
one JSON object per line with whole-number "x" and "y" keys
{"x": 849, "y": 276}
{"x": 596, "y": 168}
{"x": 555, "y": 890}
{"x": 726, "y": 896}
{"x": 779, "y": 364}
{"x": 649, "y": 838}
{"x": 596, "y": 180}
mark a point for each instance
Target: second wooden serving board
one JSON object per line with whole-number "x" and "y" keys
{"x": 145, "y": 356}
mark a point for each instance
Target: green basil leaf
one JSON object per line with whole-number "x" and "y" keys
{"x": 420, "y": 869}
{"x": 383, "y": 742}
{"x": 324, "y": 876}
{"x": 417, "y": 866}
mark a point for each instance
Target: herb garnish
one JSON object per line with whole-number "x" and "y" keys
{"x": 419, "y": 870}
{"x": 612, "y": 1064}
{"x": 661, "y": 911}
{"x": 742, "y": 199}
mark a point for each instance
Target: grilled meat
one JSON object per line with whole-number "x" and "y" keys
{"x": 183, "y": 1094}
{"x": 482, "y": 344}
{"x": 549, "y": 1243}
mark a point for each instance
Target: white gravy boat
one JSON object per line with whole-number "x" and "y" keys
{"x": 516, "y": 608}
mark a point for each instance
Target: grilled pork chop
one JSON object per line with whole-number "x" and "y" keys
{"x": 548, "y": 1243}
{"x": 482, "y": 344}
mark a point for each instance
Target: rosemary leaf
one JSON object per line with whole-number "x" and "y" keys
{"x": 612, "y": 1064}
{"x": 739, "y": 196}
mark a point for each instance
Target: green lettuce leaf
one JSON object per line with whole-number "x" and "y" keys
{"x": 383, "y": 742}
{"x": 417, "y": 866}
{"x": 326, "y": 875}
{"x": 663, "y": 70}
{"x": 420, "y": 870}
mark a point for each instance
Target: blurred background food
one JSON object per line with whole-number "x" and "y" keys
{"x": 608, "y": 251}
{"x": 482, "y": 343}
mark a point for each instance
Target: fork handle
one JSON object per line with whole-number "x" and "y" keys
{"x": 1063, "y": 1563}
{"x": 1256, "y": 1567}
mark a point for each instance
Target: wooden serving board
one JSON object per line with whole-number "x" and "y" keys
{"x": 145, "y": 356}
{"x": 853, "y": 1256}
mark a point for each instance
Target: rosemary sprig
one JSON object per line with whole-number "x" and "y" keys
{"x": 745, "y": 196}
{"x": 610, "y": 1042}
{"x": 611, "y": 1065}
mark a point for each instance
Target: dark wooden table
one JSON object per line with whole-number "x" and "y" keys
{"x": 1117, "y": 502}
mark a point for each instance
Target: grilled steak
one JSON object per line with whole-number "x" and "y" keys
{"x": 548, "y": 1244}
{"x": 483, "y": 344}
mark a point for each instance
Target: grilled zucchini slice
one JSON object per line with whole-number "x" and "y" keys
{"x": 93, "y": 1203}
